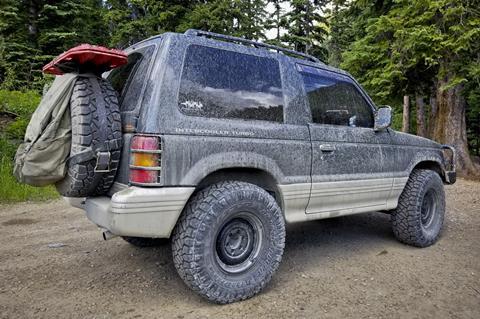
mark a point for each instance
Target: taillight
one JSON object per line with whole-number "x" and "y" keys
{"x": 145, "y": 160}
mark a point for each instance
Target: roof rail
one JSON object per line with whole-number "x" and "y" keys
{"x": 256, "y": 44}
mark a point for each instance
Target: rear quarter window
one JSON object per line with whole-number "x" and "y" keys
{"x": 218, "y": 83}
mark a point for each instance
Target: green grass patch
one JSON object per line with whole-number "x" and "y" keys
{"x": 12, "y": 191}
{"x": 22, "y": 105}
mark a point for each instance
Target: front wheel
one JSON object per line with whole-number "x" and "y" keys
{"x": 418, "y": 219}
{"x": 229, "y": 241}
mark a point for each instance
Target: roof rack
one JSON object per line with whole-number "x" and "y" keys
{"x": 256, "y": 44}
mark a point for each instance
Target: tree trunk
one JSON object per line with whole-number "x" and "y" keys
{"x": 277, "y": 11}
{"x": 450, "y": 127}
{"x": 421, "y": 125}
{"x": 406, "y": 114}
{"x": 433, "y": 114}
{"x": 32, "y": 22}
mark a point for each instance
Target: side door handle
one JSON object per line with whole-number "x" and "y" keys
{"x": 327, "y": 148}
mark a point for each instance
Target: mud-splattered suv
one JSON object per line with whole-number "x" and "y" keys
{"x": 226, "y": 140}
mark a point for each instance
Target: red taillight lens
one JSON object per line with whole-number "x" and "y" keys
{"x": 145, "y": 159}
{"x": 141, "y": 176}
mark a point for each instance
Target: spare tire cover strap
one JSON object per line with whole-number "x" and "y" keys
{"x": 91, "y": 153}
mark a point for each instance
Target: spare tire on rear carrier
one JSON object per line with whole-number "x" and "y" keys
{"x": 96, "y": 138}
{"x": 95, "y": 120}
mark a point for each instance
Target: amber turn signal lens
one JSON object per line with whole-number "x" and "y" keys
{"x": 144, "y": 159}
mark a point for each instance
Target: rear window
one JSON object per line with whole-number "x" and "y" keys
{"x": 218, "y": 83}
{"x": 124, "y": 79}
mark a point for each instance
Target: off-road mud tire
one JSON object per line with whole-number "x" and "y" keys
{"x": 424, "y": 190}
{"x": 89, "y": 127}
{"x": 196, "y": 238}
{"x": 143, "y": 242}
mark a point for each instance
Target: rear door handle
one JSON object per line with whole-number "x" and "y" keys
{"x": 327, "y": 147}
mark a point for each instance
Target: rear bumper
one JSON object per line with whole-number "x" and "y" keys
{"x": 139, "y": 212}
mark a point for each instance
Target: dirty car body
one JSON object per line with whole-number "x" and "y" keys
{"x": 303, "y": 131}
{"x": 314, "y": 170}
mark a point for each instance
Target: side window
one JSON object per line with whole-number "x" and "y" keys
{"x": 224, "y": 84}
{"x": 123, "y": 78}
{"x": 334, "y": 99}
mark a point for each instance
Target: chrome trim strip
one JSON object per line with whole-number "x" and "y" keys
{"x": 136, "y": 150}
{"x": 146, "y": 168}
{"x": 146, "y": 184}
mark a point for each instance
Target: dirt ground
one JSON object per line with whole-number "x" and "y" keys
{"x": 338, "y": 268}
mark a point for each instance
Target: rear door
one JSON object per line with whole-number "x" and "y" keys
{"x": 348, "y": 171}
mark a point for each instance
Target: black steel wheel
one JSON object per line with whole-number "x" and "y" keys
{"x": 238, "y": 242}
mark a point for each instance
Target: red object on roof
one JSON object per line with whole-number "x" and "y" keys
{"x": 96, "y": 56}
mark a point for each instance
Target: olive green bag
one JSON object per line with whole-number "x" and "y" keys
{"x": 41, "y": 159}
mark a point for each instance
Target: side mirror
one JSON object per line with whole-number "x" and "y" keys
{"x": 383, "y": 118}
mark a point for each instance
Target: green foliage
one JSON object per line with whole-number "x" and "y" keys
{"x": 20, "y": 103}
{"x": 246, "y": 19}
{"x": 406, "y": 49}
{"x": 33, "y": 32}
{"x": 12, "y": 191}
{"x": 7, "y": 149}
{"x": 215, "y": 16}
{"x": 307, "y": 29}
{"x": 131, "y": 21}
{"x": 16, "y": 129}
{"x": 409, "y": 47}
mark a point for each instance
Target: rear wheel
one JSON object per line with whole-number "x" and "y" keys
{"x": 229, "y": 241}
{"x": 418, "y": 219}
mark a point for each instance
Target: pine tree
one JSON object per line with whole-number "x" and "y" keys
{"x": 252, "y": 19}
{"x": 17, "y": 45}
{"x": 277, "y": 21}
{"x": 306, "y": 27}
{"x": 246, "y": 19}
{"x": 424, "y": 47}
{"x": 130, "y": 21}
{"x": 32, "y": 32}
{"x": 215, "y": 16}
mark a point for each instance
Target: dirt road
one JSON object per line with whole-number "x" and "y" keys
{"x": 345, "y": 267}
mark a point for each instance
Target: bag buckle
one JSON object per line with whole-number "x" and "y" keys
{"x": 103, "y": 162}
